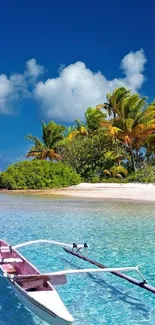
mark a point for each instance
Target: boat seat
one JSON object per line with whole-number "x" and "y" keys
{"x": 7, "y": 260}
{"x": 31, "y": 284}
{"x": 8, "y": 268}
{"x": 5, "y": 249}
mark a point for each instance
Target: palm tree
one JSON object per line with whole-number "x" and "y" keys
{"x": 150, "y": 147}
{"x": 52, "y": 135}
{"x": 78, "y": 129}
{"x": 94, "y": 119}
{"x": 135, "y": 121}
{"x": 115, "y": 101}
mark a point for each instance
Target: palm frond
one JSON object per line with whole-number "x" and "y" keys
{"x": 129, "y": 122}
{"x": 33, "y": 154}
{"x": 44, "y": 131}
{"x": 118, "y": 169}
{"x": 37, "y": 142}
{"x": 53, "y": 155}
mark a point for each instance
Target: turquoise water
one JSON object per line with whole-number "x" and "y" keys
{"x": 119, "y": 234}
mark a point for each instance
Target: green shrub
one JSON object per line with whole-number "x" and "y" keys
{"x": 145, "y": 175}
{"x": 38, "y": 174}
{"x": 87, "y": 154}
{"x": 7, "y": 181}
{"x": 95, "y": 179}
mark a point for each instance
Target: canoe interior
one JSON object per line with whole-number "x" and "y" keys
{"x": 22, "y": 268}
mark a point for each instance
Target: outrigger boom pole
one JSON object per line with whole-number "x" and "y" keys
{"x": 53, "y": 242}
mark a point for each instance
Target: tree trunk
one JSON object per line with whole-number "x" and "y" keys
{"x": 132, "y": 158}
{"x": 138, "y": 160}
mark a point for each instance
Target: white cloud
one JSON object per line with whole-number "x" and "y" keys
{"x": 133, "y": 66}
{"x": 66, "y": 97}
{"x": 33, "y": 69}
{"x": 6, "y": 90}
{"x": 134, "y": 62}
{"x": 18, "y": 86}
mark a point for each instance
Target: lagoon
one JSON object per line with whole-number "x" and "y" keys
{"x": 119, "y": 233}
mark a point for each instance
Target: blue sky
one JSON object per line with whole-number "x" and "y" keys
{"x": 59, "y": 57}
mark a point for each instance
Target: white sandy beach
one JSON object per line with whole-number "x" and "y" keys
{"x": 135, "y": 191}
{"x": 130, "y": 191}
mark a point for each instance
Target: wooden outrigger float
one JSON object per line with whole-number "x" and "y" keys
{"x": 36, "y": 290}
{"x": 142, "y": 284}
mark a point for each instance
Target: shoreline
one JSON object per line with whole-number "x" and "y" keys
{"x": 120, "y": 191}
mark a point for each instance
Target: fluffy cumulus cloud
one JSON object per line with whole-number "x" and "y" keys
{"x": 6, "y": 90}
{"x": 33, "y": 69}
{"x": 133, "y": 67}
{"x": 66, "y": 97}
{"x": 18, "y": 86}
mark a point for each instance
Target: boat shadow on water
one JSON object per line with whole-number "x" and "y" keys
{"x": 12, "y": 312}
{"x": 112, "y": 293}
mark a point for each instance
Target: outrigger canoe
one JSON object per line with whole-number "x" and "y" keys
{"x": 38, "y": 295}
{"x": 37, "y": 291}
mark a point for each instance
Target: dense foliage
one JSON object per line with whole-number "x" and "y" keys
{"x": 116, "y": 141}
{"x": 88, "y": 156}
{"x": 145, "y": 175}
{"x": 38, "y": 174}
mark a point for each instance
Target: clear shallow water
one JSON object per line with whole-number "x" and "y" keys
{"x": 119, "y": 234}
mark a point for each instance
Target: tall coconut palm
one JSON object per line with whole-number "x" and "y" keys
{"x": 94, "y": 119}
{"x": 150, "y": 147}
{"x": 150, "y": 144}
{"x": 136, "y": 122}
{"x": 52, "y": 135}
{"x": 115, "y": 101}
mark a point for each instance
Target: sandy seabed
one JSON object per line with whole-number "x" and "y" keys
{"x": 130, "y": 191}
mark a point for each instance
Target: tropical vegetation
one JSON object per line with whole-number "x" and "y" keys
{"x": 52, "y": 135}
{"x": 38, "y": 174}
{"x": 116, "y": 141}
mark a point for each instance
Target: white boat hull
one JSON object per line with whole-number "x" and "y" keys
{"x": 41, "y": 298}
{"x": 47, "y": 315}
